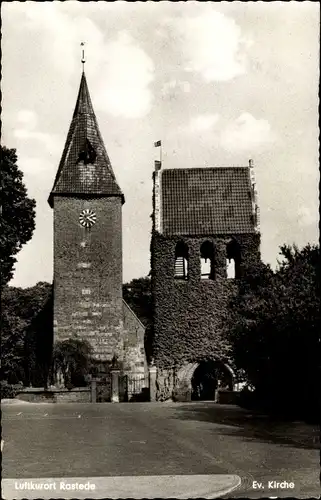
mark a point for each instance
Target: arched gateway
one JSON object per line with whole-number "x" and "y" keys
{"x": 200, "y": 381}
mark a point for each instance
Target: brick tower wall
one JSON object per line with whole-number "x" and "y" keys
{"x": 88, "y": 274}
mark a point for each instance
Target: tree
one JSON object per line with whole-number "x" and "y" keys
{"x": 274, "y": 330}
{"x": 245, "y": 328}
{"x": 138, "y": 295}
{"x": 21, "y": 332}
{"x": 39, "y": 343}
{"x": 12, "y": 348}
{"x": 17, "y": 211}
{"x": 72, "y": 357}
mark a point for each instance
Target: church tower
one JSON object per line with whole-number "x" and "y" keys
{"x": 87, "y": 205}
{"x": 205, "y": 235}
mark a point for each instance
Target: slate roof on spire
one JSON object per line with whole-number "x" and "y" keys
{"x": 84, "y": 168}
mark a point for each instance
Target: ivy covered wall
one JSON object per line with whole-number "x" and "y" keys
{"x": 189, "y": 315}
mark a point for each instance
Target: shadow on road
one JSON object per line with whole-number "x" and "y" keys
{"x": 235, "y": 421}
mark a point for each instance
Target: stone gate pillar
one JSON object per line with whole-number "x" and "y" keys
{"x": 93, "y": 390}
{"x": 152, "y": 382}
{"x": 115, "y": 386}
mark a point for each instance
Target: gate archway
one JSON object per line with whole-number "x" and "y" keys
{"x": 208, "y": 377}
{"x": 200, "y": 381}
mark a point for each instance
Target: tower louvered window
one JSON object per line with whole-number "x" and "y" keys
{"x": 181, "y": 268}
{"x": 181, "y": 261}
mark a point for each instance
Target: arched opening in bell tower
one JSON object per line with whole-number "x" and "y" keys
{"x": 207, "y": 261}
{"x": 233, "y": 259}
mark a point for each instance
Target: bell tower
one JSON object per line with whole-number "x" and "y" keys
{"x": 87, "y": 205}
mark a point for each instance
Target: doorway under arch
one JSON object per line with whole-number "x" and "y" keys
{"x": 209, "y": 376}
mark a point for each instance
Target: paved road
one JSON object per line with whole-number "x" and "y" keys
{"x": 151, "y": 439}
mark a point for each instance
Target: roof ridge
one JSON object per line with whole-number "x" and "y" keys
{"x": 133, "y": 313}
{"x": 205, "y": 168}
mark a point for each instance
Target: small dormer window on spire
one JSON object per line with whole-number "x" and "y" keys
{"x": 87, "y": 154}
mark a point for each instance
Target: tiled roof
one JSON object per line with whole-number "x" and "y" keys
{"x": 206, "y": 201}
{"x": 85, "y": 168}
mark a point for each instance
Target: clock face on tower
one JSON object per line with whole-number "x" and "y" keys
{"x": 87, "y": 218}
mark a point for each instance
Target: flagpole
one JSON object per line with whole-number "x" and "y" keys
{"x": 158, "y": 144}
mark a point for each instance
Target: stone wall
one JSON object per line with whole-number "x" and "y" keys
{"x": 228, "y": 397}
{"x": 88, "y": 274}
{"x": 77, "y": 395}
{"x": 38, "y": 395}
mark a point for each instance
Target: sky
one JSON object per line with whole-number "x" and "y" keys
{"x": 218, "y": 83}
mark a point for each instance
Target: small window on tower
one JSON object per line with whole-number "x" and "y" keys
{"x": 181, "y": 261}
{"x": 207, "y": 261}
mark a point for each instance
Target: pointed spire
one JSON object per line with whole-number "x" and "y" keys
{"x": 85, "y": 168}
{"x": 83, "y": 103}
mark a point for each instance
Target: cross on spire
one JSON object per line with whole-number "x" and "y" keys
{"x": 83, "y": 60}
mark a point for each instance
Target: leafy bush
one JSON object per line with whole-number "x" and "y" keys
{"x": 9, "y": 391}
{"x": 26, "y": 333}
{"x": 72, "y": 357}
